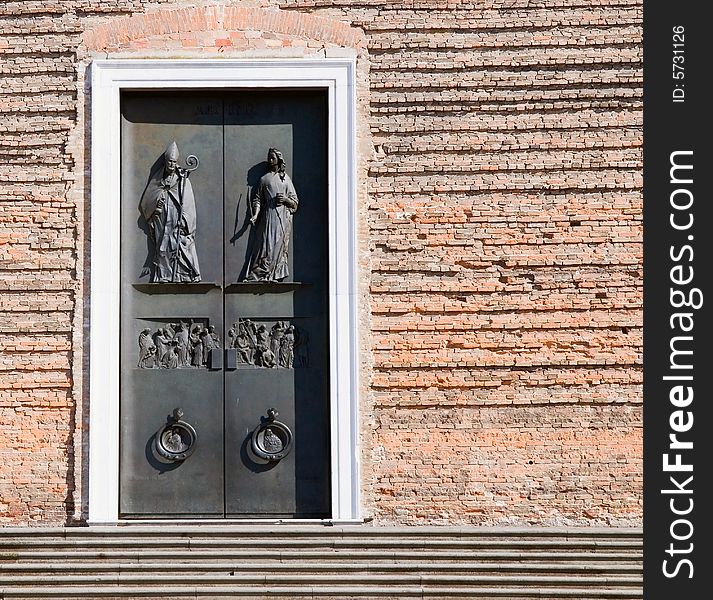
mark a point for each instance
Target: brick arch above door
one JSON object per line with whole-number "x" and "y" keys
{"x": 221, "y": 29}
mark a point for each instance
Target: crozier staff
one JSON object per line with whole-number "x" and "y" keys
{"x": 169, "y": 207}
{"x": 272, "y": 209}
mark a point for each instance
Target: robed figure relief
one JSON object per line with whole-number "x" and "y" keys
{"x": 273, "y": 206}
{"x": 169, "y": 207}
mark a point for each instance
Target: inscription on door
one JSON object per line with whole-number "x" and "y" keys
{"x": 224, "y": 338}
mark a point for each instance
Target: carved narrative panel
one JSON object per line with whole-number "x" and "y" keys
{"x": 269, "y": 344}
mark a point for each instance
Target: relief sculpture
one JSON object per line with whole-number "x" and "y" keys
{"x": 169, "y": 209}
{"x": 272, "y": 209}
{"x": 274, "y": 347}
{"x": 177, "y": 345}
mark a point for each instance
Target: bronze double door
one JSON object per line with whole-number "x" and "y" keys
{"x": 224, "y": 391}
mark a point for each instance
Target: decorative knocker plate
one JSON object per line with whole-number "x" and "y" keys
{"x": 176, "y": 440}
{"x": 272, "y": 439}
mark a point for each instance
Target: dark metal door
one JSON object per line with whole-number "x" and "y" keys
{"x": 224, "y": 340}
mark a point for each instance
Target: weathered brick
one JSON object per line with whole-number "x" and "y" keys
{"x": 499, "y": 248}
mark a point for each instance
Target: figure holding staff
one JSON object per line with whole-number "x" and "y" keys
{"x": 169, "y": 207}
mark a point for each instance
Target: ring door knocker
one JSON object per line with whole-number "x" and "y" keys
{"x": 176, "y": 440}
{"x": 272, "y": 439}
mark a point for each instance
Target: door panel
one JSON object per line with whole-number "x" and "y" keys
{"x": 293, "y": 122}
{"x": 150, "y": 121}
{"x": 223, "y": 398}
{"x": 148, "y": 487}
{"x": 194, "y": 487}
{"x": 294, "y": 486}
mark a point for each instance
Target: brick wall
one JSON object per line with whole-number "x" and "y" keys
{"x": 500, "y": 245}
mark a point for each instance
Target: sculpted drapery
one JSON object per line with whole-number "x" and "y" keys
{"x": 273, "y": 206}
{"x": 169, "y": 207}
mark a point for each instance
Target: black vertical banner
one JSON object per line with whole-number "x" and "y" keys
{"x": 678, "y": 447}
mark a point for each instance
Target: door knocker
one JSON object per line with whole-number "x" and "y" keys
{"x": 272, "y": 439}
{"x": 176, "y": 440}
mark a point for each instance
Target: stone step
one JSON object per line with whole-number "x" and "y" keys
{"x": 267, "y": 578}
{"x": 184, "y": 566}
{"x": 198, "y": 561}
{"x": 273, "y": 528}
{"x": 168, "y": 540}
{"x": 342, "y": 556}
{"x": 273, "y": 592}
{"x": 269, "y": 528}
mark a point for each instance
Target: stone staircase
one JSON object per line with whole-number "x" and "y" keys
{"x": 317, "y": 561}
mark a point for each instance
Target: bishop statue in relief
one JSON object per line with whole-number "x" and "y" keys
{"x": 169, "y": 207}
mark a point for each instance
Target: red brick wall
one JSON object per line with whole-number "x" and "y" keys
{"x": 500, "y": 242}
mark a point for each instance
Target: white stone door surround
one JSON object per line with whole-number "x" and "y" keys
{"x": 108, "y": 78}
